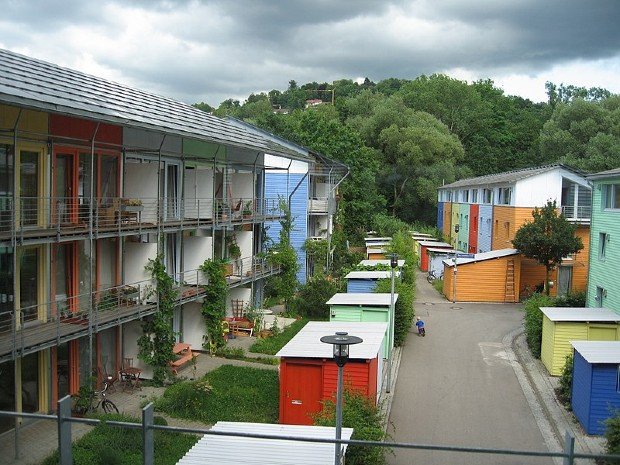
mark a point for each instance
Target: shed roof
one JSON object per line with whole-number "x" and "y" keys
{"x": 598, "y": 351}
{"x": 401, "y": 263}
{"x": 479, "y": 257}
{"x": 307, "y": 342}
{"x": 509, "y": 177}
{"x": 579, "y": 314}
{"x": 371, "y": 274}
{"x": 377, "y": 239}
{"x": 605, "y": 174}
{"x": 224, "y": 450}
{"x": 45, "y": 86}
{"x": 420, "y": 234}
{"x": 441, "y": 250}
{"x": 434, "y": 244}
{"x": 362, "y": 298}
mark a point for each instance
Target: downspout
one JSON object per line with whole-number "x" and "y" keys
{"x": 253, "y": 253}
{"x": 160, "y": 195}
{"x": 90, "y": 247}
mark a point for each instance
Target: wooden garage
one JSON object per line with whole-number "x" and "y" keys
{"x": 595, "y": 396}
{"x": 487, "y": 277}
{"x": 561, "y": 325}
{"x": 309, "y": 375}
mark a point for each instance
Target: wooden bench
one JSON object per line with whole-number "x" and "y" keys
{"x": 185, "y": 355}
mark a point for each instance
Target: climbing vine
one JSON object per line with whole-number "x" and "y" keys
{"x": 155, "y": 344}
{"x": 214, "y": 303}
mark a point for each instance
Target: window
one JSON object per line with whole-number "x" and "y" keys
{"x": 603, "y": 239}
{"x": 465, "y": 195}
{"x": 611, "y": 196}
{"x": 449, "y": 193}
{"x": 474, "y": 196}
{"x": 505, "y": 195}
{"x": 487, "y": 196}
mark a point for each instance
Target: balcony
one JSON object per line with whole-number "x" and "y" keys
{"x": 577, "y": 213}
{"x": 30, "y": 329}
{"x": 52, "y": 218}
{"x": 318, "y": 205}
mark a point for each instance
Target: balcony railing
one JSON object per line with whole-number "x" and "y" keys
{"x": 580, "y": 213}
{"x": 28, "y": 329}
{"x": 32, "y": 217}
{"x": 318, "y": 205}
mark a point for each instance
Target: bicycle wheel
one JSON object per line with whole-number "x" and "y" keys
{"x": 109, "y": 406}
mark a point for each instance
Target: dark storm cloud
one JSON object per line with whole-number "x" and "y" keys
{"x": 214, "y": 49}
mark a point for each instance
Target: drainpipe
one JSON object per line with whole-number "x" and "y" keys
{"x": 160, "y": 194}
{"x": 329, "y": 230}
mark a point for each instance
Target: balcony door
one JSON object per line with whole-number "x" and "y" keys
{"x": 64, "y": 188}
{"x": 29, "y": 186}
{"x": 170, "y": 184}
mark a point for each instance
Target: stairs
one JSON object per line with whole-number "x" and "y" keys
{"x": 509, "y": 290}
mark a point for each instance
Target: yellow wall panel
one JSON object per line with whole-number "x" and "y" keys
{"x": 30, "y": 121}
{"x": 546, "y": 349}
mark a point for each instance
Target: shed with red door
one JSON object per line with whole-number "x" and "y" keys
{"x": 308, "y": 374}
{"x": 424, "y": 246}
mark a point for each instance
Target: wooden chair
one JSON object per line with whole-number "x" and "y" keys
{"x": 239, "y": 321}
{"x": 238, "y": 308}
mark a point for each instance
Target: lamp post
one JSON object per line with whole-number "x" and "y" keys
{"x": 341, "y": 342}
{"x": 456, "y": 230}
{"x": 393, "y": 265}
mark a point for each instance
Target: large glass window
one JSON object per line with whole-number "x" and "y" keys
{"x": 7, "y": 394}
{"x": 611, "y": 194}
{"x": 28, "y": 283}
{"x": 28, "y": 186}
{"x": 30, "y": 383}
{"x": 487, "y": 196}
{"x": 6, "y": 186}
{"x": 6, "y": 288}
{"x": 108, "y": 178}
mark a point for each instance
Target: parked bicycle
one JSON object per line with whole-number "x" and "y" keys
{"x": 431, "y": 276}
{"x": 106, "y": 404}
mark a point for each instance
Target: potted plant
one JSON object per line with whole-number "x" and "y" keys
{"x": 234, "y": 251}
{"x": 132, "y": 205}
{"x": 84, "y": 398}
{"x": 247, "y": 209}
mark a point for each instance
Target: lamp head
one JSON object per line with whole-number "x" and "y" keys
{"x": 341, "y": 342}
{"x": 394, "y": 260}
{"x": 456, "y": 228}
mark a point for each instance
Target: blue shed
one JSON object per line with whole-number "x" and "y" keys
{"x": 366, "y": 281}
{"x": 595, "y": 391}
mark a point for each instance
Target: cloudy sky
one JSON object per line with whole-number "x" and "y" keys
{"x": 210, "y": 50}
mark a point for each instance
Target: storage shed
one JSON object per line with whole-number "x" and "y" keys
{"x": 224, "y": 450}
{"x": 401, "y": 263}
{"x": 366, "y": 281}
{"x": 365, "y": 307}
{"x": 595, "y": 393}
{"x": 435, "y": 258}
{"x": 487, "y": 277}
{"x": 309, "y": 375}
{"x": 561, "y": 325}
{"x": 423, "y": 246}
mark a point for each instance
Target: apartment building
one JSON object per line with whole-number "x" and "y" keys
{"x": 96, "y": 180}
{"x": 483, "y": 214}
{"x": 604, "y": 268}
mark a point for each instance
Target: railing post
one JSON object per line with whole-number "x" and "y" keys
{"x": 147, "y": 434}
{"x": 569, "y": 449}
{"x": 64, "y": 431}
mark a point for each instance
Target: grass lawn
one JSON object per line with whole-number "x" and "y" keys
{"x": 272, "y": 345}
{"x": 113, "y": 445}
{"x": 229, "y": 393}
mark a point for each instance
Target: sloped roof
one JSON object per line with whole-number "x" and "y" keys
{"x": 225, "y": 450}
{"x": 598, "y": 351}
{"x": 479, "y": 257}
{"x": 605, "y": 174}
{"x": 362, "y": 298}
{"x": 579, "y": 314}
{"x": 43, "y": 86}
{"x": 509, "y": 177}
{"x": 371, "y": 274}
{"x": 307, "y": 342}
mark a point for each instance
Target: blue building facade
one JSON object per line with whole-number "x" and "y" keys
{"x": 440, "y": 216}
{"x": 485, "y": 228}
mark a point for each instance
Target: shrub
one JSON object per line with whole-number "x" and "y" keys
{"x": 612, "y": 436}
{"x": 310, "y": 300}
{"x": 185, "y": 398}
{"x": 574, "y": 299}
{"x": 364, "y": 417}
{"x": 534, "y": 321}
{"x": 403, "y": 309}
{"x": 566, "y": 382}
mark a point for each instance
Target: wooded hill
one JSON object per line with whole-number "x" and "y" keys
{"x": 403, "y": 138}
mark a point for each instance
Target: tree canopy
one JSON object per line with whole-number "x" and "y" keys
{"x": 548, "y": 238}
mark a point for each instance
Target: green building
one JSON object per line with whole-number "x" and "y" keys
{"x": 604, "y": 275}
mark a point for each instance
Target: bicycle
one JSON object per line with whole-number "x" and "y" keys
{"x": 106, "y": 404}
{"x": 431, "y": 276}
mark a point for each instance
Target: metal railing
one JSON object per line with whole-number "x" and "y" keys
{"x": 577, "y": 212}
{"x": 64, "y": 421}
{"x": 63, "y": 215}
{"x": 318, "y": 205}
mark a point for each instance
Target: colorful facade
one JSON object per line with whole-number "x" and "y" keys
{"x": 96, "y": 181}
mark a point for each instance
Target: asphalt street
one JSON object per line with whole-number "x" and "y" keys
{"x": 457, "y": 387}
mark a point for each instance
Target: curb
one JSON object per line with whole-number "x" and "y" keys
{"x": 388, "y": 397}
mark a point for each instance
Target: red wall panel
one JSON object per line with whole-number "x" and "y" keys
{"x": 474, "y": 216}
{"x": 76, "y": 128}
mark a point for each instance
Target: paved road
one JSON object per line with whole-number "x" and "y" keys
{"x": 457, "y": 387}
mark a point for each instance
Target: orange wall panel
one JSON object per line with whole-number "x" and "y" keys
{"x": 506, "y": 222}
{"x": 447, "y": 221}
{"x": 581, "y": 261}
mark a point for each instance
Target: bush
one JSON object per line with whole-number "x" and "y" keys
{"x": 612, "y": 436}
{"x": 438, "y": 285}
{"x": 403, "y": 309}
{"x": 310, "y": 300}
{"x": 364, "y": 417}
{"x": 574, "y": 299}
{"x": 534, "y": 320}
{"x": 564, "y": 391}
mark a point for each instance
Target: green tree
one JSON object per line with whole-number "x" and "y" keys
{"x": 547, "y": 239}
{"x": 204, "y": 107}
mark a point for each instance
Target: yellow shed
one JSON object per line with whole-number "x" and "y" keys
{"x": 561, "y": 325}
{"x": 487, "y": 277}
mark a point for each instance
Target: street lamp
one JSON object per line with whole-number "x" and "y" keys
{"x": 456, "y": 230}
{"x": 341, "y": 342}
{"x": 393, "y": 265}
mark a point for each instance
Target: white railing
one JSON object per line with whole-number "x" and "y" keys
{"x": 577, "y": 212}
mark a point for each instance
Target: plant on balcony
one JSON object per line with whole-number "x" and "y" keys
{"x": 247, "y": 209}
{"x": 155, "y": 344}
{"x": 214, "y": 303}
{"x": 131, "y": 202}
